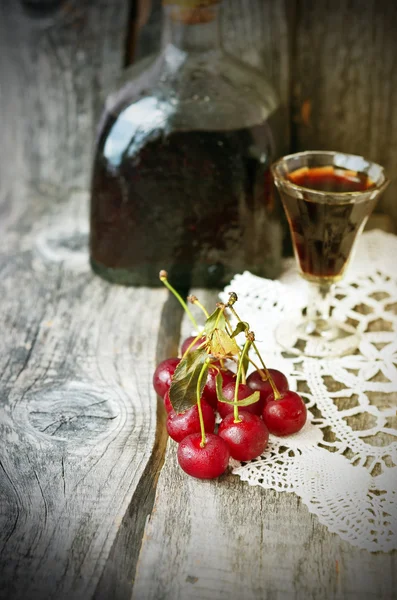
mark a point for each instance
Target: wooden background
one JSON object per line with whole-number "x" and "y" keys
{"x": 82, "y": 441}
{"x": 333, "y": 62}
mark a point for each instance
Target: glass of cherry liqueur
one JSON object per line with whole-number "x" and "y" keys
{"x": 327, "y": 197}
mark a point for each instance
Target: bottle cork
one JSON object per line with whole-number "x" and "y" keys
{"x": 192, "y": 12}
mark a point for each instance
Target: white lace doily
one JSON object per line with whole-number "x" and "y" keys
{"x": 343, "y": 464}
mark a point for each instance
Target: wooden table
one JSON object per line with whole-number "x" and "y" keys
{"x": 88, "y": 483}
{"x": 92, "y": 501}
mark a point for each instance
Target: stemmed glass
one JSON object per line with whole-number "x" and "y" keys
{"x": 327, "y": 197}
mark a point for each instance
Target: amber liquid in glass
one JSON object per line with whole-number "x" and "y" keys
{"x": 323, "y": 233}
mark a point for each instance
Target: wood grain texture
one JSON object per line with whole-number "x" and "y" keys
{"x": 224, "y": 539}
{"x": 81, "y": 441}
{"x": 55, "y": 67}
{"x": 260, "y": 32}
{"x": 150, "y": 25}
{"x": 78, "y": 414}
{"x": 345, "y": 82}
{"x": 118, "y": 575}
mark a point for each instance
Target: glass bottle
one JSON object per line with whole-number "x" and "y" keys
{"x": 181, "y": 176}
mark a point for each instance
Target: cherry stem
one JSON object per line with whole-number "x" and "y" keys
{"x": 243, "y": 376}
{"x": 198, "y": 336}
{"x": 238, "y": 377}
{"x": 276, "y": 393}
{"x": 260, "y": 371}
{"x": 163, "y": 278}
{"x": 229, "y": 331}
{"x": 195, "y": 300}
{"x": 200, "y": 412}
{"x": 222, "y": 311}
{"x": 228, "y": 326}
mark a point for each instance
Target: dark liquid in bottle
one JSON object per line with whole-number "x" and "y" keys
{"x": 196, "y": 203}
{"x": 323, "y": 233}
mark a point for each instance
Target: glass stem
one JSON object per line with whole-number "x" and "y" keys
{"x": 319, "y": 307}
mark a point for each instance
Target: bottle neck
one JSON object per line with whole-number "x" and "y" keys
{"x": 191, "y": 30}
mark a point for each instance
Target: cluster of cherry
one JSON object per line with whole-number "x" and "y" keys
{"x": 199, "y": 384}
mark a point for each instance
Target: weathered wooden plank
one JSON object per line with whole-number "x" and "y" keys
{"x": 227, "y": 540}
{"x": 260, "y": 33}
{"x": 57, "y": 60}
{"x": 78, "y": 414}
{"x": 345, "y": 81}
{"x": 118, "y": 576}
{"x": 149, "y": 26}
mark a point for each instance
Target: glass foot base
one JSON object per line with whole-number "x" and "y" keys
{"x": 317, "y": 339}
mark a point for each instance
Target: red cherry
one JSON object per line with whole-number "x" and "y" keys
{"x": 167, "y": 402}
{"x": 183, "y": 424}
{"x": 205, "y": 463}
{"x": 163, "y": 375}
{"x": 186, "y": 343}
{"x": 256, "y": 382}
{"x": 243, "y": 392}
{"x": 209, "y": 391}
{"x": 286, "y": 415}
{"x": 247, "y": 439}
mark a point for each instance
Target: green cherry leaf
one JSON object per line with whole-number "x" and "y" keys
{"x": 189, "y": 362}
{"x": 183, "y": 389}
{"x": 241, "y": 326}
{"x": 245, "y": 402}
{"x": 221, "y": 345}
{"x": 219, "y": 388}
{"x": 215, "y": 320}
